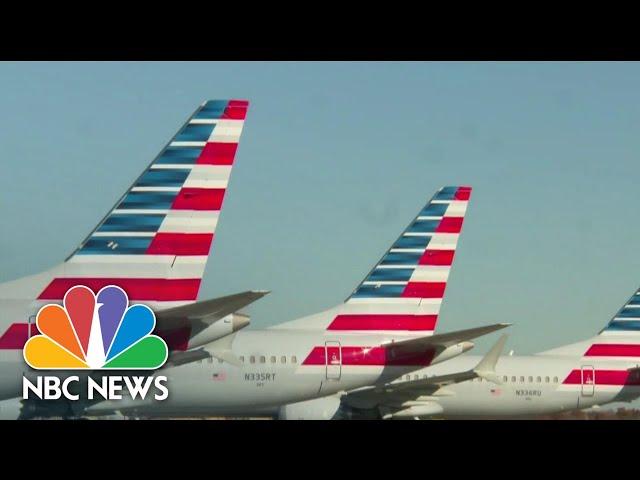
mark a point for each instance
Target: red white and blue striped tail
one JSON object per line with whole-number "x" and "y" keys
{"x": 610, "y": 359}
{"x": 405, "y": 289}
{"x": 620, "y": 339}
{"x": 155, "y": 242}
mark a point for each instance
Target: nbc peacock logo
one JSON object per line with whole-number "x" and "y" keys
{"x": 97, "y": 332}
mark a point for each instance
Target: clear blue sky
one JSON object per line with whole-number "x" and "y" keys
{"x": 334, "y": 161}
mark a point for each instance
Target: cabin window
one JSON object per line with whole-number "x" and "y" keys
{"x": 513, "y": 379}
{"x": 263, "y": 359}
{"x": 407, "y": 378}
{"x": 273, "y": 359}
{"x": 539, "y": 379}
{"x": 521, "y": 379}
{"x": 294, "y": 359}
{"x": 283, "y": 359}
{"x": 555, "y": 379}
{"x": 546, "y": 379}
{"x": 210, "y": 360}
{"x": 505, "y": 379}
{"x": 242, "y": 359}
{"x": 530, "y": 379}
{"x": 252, "y": 359}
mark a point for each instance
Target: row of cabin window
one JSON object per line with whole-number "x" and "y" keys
{"x": 505, "y": 379}
{"x": 261, "y": 359}
{"x": 530, "y": 378}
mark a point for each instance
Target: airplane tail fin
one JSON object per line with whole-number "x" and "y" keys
{"x": 404, "y": 290}
{"x": 619, "y": 339}
{"x": 617, "y": 346}
{"x": 155, "y": 241}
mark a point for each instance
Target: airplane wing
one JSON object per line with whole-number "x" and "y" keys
{"x": 396, "y": 393}
{"x": 181, "y": 358}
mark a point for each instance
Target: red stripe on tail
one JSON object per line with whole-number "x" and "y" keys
{"x": 236, "y": 110}
{"x": 384, "y": 322}
{"x": 425, "y": 289}
{"x": 463, "y": 193}
{"x": 613, "y": 350}
{"x": 199, "y": 199}
{"x": 137, "y": 289}
{"x": 180, "y": 244}
{"x": 450, "y": 225}
{"x": 215, "y": 153}
{"x": 437, "y": 257}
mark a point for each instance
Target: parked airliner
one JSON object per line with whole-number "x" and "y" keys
{"x": 594, "y": 372}
{"x": 383, "y": 330}
{"x": 154, "y": 243}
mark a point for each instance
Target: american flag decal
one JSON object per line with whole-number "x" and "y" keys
{"x": 219, "y": 377}
{"x": 496, "y": 392}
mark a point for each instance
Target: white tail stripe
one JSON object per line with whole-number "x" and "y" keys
{"x": 172, "y": 166}
{"x": 180, "y": 223}
{"x": 227, "y": 131}
{"x": 218, "y": 184}
{"x": 123, "y": 260}
{"x": 123, "y": 234}
{"x": 418, "y": 234}
{"x": 456, "y": 208}
{"x": 173, "y": 270}
{"x": 155, "y": 189}
{"x": 141, "y": 211}
{"x": 392, "y": 267}
{"x": 210, "y": 172}
{"x": 443, "y": 241}
{"x": 430, "y": 273}
{"x": 187, "y": 144}
{"x": 204, "y": 121}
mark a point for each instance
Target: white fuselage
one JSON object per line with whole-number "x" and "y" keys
{"x": 531, "y": 385}
{"x": 278, "y": 367}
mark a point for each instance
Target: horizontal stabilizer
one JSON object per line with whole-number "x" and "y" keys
{"x": 207, "y": 310}
{"x": 444, "y": 340}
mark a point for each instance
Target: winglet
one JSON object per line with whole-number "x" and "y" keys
{"x": 486, "y": 368}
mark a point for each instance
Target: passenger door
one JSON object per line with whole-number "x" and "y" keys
{"x": 588, "y": 381}
{"x": 333, "y": 356}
